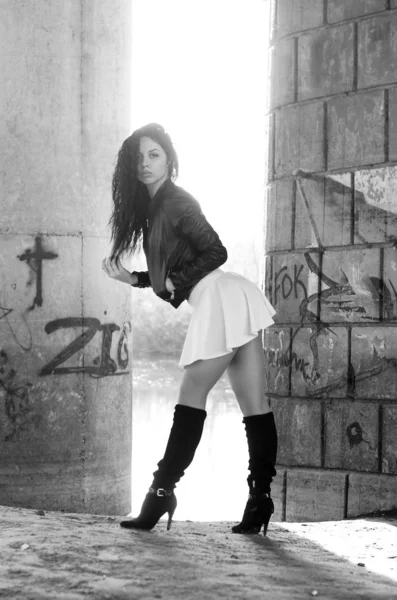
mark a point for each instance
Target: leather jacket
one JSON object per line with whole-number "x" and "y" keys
{"x": 179, "y": 244}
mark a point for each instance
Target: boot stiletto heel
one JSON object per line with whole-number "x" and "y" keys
{"x": 258, "y": 511}
{"x": 170, "y": 515}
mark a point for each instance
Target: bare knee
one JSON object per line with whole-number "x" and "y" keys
{"x": 192, "y": 392}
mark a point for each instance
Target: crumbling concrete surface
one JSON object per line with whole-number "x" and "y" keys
{"x": 74, "y": 556}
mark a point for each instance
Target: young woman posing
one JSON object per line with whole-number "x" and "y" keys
{"x": 183, "y": 254}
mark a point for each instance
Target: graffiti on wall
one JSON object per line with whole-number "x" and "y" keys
{"x": 355, "y": 436}
{"x": 320, "y": 289}
{"x": 34, "y": 258}
{"x": 289, "y": 283}
{"x": 15, "y": 395}
{"x": 19, "y": 411}
{"x": 310, "y": 308}
{"x": 104, "y": 365}
{"x": 21, "y": 334}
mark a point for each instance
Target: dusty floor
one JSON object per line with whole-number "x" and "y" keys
{"x": 70, "y": 556}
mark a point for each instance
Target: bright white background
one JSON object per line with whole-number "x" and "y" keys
{"x": 200, "y": 70}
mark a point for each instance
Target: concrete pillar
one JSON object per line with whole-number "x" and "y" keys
{"x": 65, "y": 335}
{"x": 332, "y": 257}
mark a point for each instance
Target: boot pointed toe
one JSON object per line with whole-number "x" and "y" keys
{"x": 157, "y": 503}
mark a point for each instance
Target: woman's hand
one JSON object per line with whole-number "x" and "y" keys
{"x": 115, "y": 270}
{"x": 169, "y": 285}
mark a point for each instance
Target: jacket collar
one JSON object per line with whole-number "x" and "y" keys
{"x": 164, "y": 187}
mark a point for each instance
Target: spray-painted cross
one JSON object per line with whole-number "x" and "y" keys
{"x": 35, "y": 258}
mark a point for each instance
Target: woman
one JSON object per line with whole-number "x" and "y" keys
{"x": 183, "y": 255}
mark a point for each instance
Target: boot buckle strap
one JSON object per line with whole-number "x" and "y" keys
{"x": 160, "y": 492}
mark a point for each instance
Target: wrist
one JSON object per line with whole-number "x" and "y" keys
{"x": 133, "y": 280}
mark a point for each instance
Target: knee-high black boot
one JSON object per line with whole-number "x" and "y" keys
{"x": 262, "y": 448}
{"x": 183, "y": 440}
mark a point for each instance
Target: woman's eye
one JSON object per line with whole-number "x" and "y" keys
{"x": 154, "y": 155}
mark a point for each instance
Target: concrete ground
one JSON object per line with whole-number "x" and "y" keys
{"x": 75, "y": 556}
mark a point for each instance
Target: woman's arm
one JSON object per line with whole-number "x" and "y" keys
{"x": 141, "y": 279}
{"x": 115, "y": 270}
{"x": 189, "y": 222}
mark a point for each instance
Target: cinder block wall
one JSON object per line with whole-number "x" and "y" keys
{"x": 65, "y": 338}
{"x": 332, "y": 256}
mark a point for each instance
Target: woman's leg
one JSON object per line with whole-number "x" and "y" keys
{"x": 200, "y": 377}
{"x": 247, "y": 377}
{"x": 185, "y": 435}
{"x": 246, "y": 373}
{"x": 189, "y": 417}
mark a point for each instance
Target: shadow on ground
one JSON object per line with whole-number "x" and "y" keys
{"x": 74, "y": 556}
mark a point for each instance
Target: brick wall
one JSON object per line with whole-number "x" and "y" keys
{"x": 332, "y": 256}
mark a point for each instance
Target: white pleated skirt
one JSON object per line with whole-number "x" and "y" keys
{"x": 228, "y": 311}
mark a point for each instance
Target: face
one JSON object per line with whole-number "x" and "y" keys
{"x": 152, "y": 165}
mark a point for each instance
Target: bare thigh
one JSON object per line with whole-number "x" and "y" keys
{"x": 246, "y": 372}
{"x": 200, "y": 377}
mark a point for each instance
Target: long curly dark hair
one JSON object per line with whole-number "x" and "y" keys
{"x": 128, "y": 221}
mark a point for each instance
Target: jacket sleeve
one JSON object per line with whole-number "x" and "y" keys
{"x": 189, "y": 222}
{"x": 143, "y": 279}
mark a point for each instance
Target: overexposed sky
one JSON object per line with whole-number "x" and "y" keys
{"x": 200, "y": 70}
